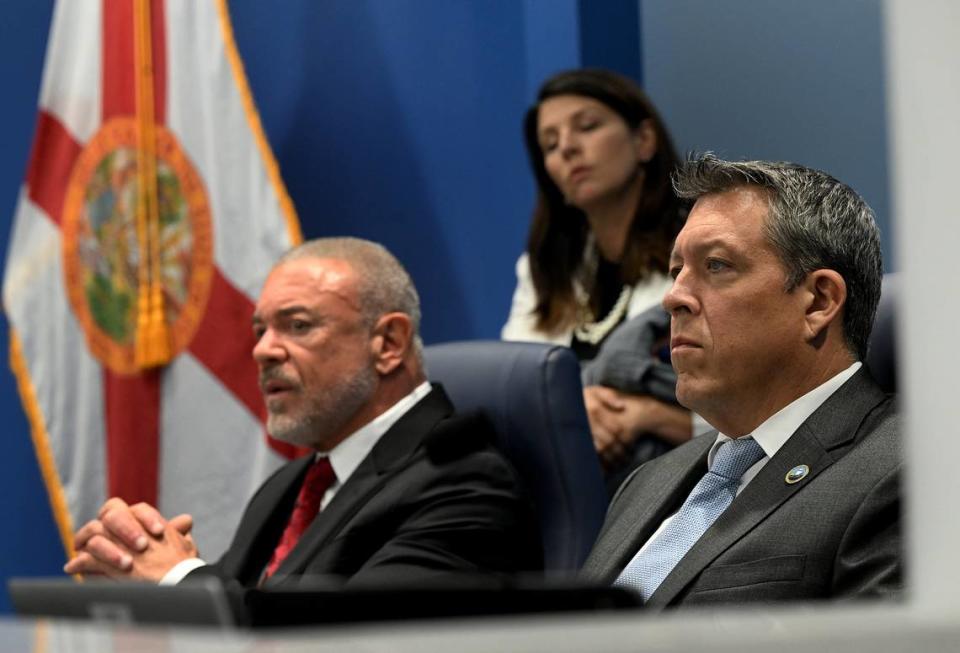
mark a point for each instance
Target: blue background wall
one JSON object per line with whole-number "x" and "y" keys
{"x": 400, "y": 120}
{"x": 797, "y": 81}
{"x": 31, "y": 544}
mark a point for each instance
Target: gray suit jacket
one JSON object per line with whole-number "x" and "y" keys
{"x": 834, "y": 534}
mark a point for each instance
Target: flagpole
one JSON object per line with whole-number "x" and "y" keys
{"x": 152, "y": 337}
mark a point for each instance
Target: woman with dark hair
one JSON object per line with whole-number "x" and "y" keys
{"x": 599, "y": 245}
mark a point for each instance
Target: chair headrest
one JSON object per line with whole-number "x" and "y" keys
{"x": 882, "y": 349}
{"x": 532, "y": 394}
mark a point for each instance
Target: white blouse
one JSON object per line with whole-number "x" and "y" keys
{"x": 521, "y": 324}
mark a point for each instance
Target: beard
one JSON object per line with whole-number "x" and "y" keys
{"x": 323, "y": 416}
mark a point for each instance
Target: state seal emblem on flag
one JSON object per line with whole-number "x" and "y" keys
{"x": 151, "y": 212}
{"x": 118, "y": 262}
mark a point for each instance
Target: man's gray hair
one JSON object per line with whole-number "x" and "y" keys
{"x": 814, "y": 222}
{"x": 383, "y": 284}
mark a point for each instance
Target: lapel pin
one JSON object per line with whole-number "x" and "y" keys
{"x": 796, "y": 474}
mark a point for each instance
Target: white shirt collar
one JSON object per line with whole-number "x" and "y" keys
{"x": 347, "y": 456}
{"x": 777, "y": 429}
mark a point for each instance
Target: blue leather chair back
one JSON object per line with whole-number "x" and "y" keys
{"x": 882, "y": 351}
{"x": 532, "y": 393}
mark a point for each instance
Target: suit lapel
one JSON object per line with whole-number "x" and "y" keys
{"x": 390, "y": 453}
{"x": 821, "y": 440}
{"x": 270, "y": 510}
{"x": 659, "y": 491}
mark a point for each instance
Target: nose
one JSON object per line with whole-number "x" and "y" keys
{"x": 569, "y": 143}
{"x": 268, "y": 349}
{"x": 681, "y": 298}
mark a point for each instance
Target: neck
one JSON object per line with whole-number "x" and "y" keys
{"x": 391, "y": 388}
{"x": 754, "y": 411}
{"x": 611, "y": 217}
{"x": 394, "y": 387}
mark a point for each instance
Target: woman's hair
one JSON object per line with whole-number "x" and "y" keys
{"x": 558, "y": 233}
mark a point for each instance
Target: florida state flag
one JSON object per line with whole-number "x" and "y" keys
{"x": 151, "y": 212}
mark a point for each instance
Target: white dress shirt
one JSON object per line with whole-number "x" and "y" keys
{"x": 775, "y": 431}
{"x": 344, "y": 458}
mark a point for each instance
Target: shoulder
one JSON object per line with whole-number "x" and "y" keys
{"x": 521, "y": 324}
{"x": 522, "y": 266}
{"x": 879, "y": 445}
{"x": 860, "y": 421}
{"x": 457, "y": 464}
{"x": 463, "y": 448}
{"x": 462, "y": 436}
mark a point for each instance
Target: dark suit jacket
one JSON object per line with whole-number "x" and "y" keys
{"x": 431, "y": 500}
{"x": 836, "y": 533}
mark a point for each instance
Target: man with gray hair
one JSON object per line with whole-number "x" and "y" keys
{"x": 397, "y": 490}
{"x": 796, "y": 496}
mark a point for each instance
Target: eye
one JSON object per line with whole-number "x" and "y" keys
{"x": 716, "y": 265}
{"x": 258, "y": 331}
{"x": 548, "y": 146}
{"x": 675, "y": 271}
{"x": 299, "y": 326}
{"x": 589, "y": 125}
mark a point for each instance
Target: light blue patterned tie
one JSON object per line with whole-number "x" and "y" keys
{"x": 710, "y": 497}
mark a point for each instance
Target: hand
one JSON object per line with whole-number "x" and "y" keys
{"x": 604, "y": 410}
{"x": 617, "y": 419}
{"x": 643, "y": 414}
{"x": 131, "y": 542}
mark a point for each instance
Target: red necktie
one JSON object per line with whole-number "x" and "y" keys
{"x": 319, "y": 478}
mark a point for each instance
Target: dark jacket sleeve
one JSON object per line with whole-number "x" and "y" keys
{"x": 629, "y": 359}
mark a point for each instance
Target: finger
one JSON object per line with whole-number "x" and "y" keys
{"x": 104, "y": 556}
{"x": 113, "y": 503}
{"x": 640, "y": 416}
{"x": 109, "y": 553}
{"x": 84, "y": 564}
{"x": 615, "y": 452}
{"x": 121, "y": 524}
{"x": 182, "y": 523}
{"x": 88, "y": 530}
{"x": 612, "y": 455}
{"x": 149, "y": 518}
{"x": 607, "y": 446}
{"x": 597, "y": 397}
{"x": 629, "y": 426}
{"x": 601, "y": 440}
{"x": 607, "y": 443}
{"x": 610, "y": 398}
{"x": 610, "y": 459}
{"x": 602, "y": 420}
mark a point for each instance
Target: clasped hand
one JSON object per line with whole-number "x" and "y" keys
{"x": 133, "y": 542}
{"x": 618, "y": 418}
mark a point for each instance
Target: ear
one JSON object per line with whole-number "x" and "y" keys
{"x": 391, "y": 342}
{"x": 827, "y": 293}
{"x": 645, "y": 140}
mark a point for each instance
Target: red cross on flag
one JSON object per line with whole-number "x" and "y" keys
{"x": 151, "y": 212}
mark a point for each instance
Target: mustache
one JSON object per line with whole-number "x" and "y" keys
{"x": 275, "y": 374}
